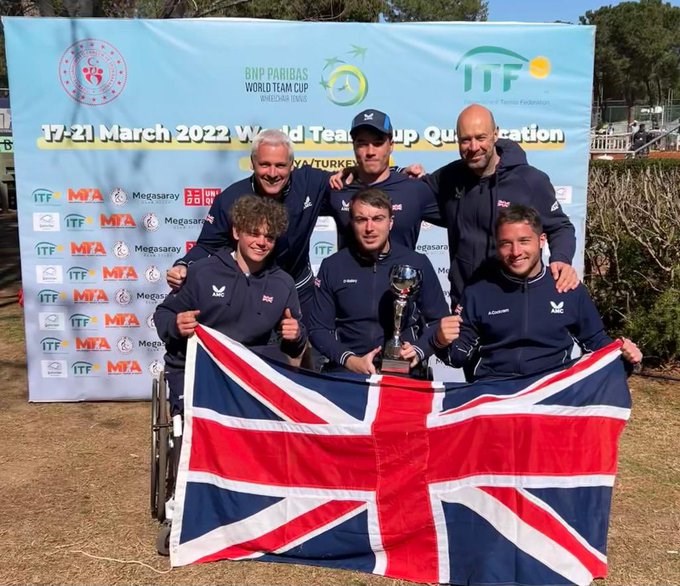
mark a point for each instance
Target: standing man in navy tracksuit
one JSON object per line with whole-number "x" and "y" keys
{"x": 412, "y": 201}
{"x": 304, "y": 193}
{"x": 491, "y": 175}
{"x": 241, "y": 293}
{"x": 514, "y": 321}
{"x": 353, "y": 311}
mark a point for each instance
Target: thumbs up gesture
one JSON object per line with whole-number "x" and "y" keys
{"x": 289, "y": 327}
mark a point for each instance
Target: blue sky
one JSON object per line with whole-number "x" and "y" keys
{"x": 545, "y": 10}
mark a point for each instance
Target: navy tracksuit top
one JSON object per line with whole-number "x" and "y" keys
{"x": 523, "y": 327}
{"x": 305, "y": 198}
{"x": 244, "y": 307}
{"x": 412, "y": 202}
{"x": 354, "y": 305}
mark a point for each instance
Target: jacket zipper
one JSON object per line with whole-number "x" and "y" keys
{"x": 525, "y": 323}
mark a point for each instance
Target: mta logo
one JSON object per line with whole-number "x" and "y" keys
{"x": 80, "y": 321}
{"x": 82, "y": 368}
{"x": 557, "y": 307}
{"x": 88, "y": 249}
{"x": 93, "y": 344}
{"x": 48, "y": 249}
{"x": 90, "y": 296}
{"x": 120, "y": 273}
{"x": 123, "y": 367}
{"x": 45, "y": 195}
{"x": 52, "y": 344}
{"x": 77, "y": 221}
{"x": 80, "y": 274}
{"x": 489, "y": 66}
{"x": 121, "y": 320}
{"x": 323, "y": 248}
{"x": 117, "y": 221}
{"x": 85, "y": 195}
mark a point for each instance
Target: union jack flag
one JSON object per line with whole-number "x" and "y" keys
{"x": 507, "y": 482}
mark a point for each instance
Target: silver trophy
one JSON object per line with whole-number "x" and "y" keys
{"x": 405, "y": 282}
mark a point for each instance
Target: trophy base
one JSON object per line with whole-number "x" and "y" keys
{"x": 395, "y": 366}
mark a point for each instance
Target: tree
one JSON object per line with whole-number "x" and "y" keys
{"x": 324, "y": 10}
{"x": 429, "y": 10}
{"x": 637, "y": 50}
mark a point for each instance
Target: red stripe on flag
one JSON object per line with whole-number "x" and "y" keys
{"x": 546, "y": 523}
{"x": 533, "y": 445}
{"x": 283, "y": 536}
{"x": 270, "y": 393}
{"x": 402, "y": 444}
{"x": 283, "y": 458}
{"x": 583, "y": 364}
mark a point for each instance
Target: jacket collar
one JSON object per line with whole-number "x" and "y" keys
{"x": 519, "y": 281}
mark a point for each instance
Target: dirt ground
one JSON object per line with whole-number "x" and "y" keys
{"x": 74, "y": 487}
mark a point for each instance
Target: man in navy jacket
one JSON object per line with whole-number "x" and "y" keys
{"x": 303, "y": 191}
{"x": 514, "y": 321}
{"x": 492, "y": 174}
{"x": 242, "y": 294}
{"x": 353, "y": 311}
{"x": 412, "y": 201}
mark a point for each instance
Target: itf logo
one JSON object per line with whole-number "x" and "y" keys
{"x": 323, "y": 248}
{"x": 346, "y": 84}
{"x": 487, "y": 65}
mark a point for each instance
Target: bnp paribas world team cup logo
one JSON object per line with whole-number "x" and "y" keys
{"x": 93, "y": 72}
{"x": 344, "y": 82}
{"x": 484, "y": 67}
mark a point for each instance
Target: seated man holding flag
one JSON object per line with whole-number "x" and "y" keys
{"x": 513, "y": 318}
{"x": 241, "y": 293}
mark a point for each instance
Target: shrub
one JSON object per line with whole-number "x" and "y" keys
{"x": 633, "y": 251}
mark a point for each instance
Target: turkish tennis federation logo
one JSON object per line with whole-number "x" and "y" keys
{"x": 344, "y": 82}
{"x": 93, "y": 72}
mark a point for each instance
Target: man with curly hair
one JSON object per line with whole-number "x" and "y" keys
{"x": 242, "y": 294}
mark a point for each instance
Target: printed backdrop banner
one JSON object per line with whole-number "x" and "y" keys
{"x": 126, "y": 130}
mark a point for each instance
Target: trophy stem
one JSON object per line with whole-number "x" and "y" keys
{"x": 393, "y": 347}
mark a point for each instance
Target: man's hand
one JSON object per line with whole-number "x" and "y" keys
{"x": 448, "y": 330}
{"x": 362, "y": 364}
{"x": 416, "y": 170}
{"x": 408, "y": 352}
{"x": 343, "y": 177}
{"x": 565, "y": 276}
{"x": 175, "y": 276}
{"x": 289, "y": 327}
{"x": 186, "y": 322}
{"x": 630, "y": 351}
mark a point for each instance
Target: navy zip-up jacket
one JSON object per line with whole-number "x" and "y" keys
{"x": 412, "y": 202}
{"x": 523, "y": 327}
{"x": 469, "y": 206}
{"x": 305, "y": 197}
{"x": 354, "y": 305}
{"x": 244, "y": 307}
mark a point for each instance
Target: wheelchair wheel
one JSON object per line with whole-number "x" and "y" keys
{"x": 163, "y": 540}
{"x": 160, "y": 430}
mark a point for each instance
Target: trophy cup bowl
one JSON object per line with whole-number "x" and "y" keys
{"x": 405, "y": 282}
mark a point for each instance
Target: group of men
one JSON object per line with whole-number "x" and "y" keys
{"x": 249, "y": 274}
